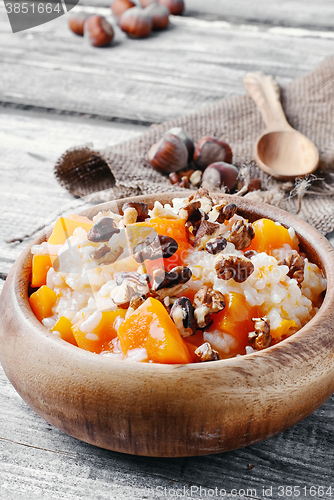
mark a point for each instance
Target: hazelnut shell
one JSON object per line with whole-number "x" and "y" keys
{"x": 210, "y": 150}
{"x": 168, "y": 155}
{"x": 220, "y": 174}
{"x": 159, "y": 15}
{"x": 136, "y": 23}
{"x": 98, "y": 31}
{"x": 120, "y": 6}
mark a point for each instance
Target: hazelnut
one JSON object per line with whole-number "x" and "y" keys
{"x": 136, "y": 23}
{"x": 175, "y": 7}
{"x": 159, "y": 15}
{"x": 120, "y": 6}
{"x": 220, "y": 174}
{"x": 76, "y": 23}
{"x": 210, "y": 150}
{"x": 168, "y": 155}
{"x": 98, "y": 31}
{"x": 185, "y": 137}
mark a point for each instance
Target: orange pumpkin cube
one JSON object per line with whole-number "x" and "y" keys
{"x": 151, "y": 327}
{"x": 64, "y": 327}
{"x": 40, "y": 266}
{"x": 101, "y": 335}
{"x": 42, "y": 302}
{"x": 65, "y": 227}
{"x": 271, "y": 236}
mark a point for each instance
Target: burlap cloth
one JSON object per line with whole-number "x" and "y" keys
{"x": 123, "y": 170}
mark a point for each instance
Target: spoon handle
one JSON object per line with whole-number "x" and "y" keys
{"x": 265, "y": 92}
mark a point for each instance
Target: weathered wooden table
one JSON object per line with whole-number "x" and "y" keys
{"x": 56, "y": 92}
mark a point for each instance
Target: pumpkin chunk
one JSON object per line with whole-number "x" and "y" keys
{"x": 40, "y": 266}
{"x": 271, "y": 236}
{"x": 65, "y": 227}
{"x": 150, "y": 327}
{"x": 42, "y": 302}
{"x": 97, "y": 338}
{"x": 64, "y": 327}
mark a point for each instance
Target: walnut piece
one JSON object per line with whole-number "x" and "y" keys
{"x": 177, "y": 276}
{"x": 141, "y": 208}
{"x": 216, "y": 245}
{"x": 105, "y": 255}
{"x": 296, "y": 265}
{"x": 241, "y": 235}
{"x": 207, "y": 302}
{"x": 204, "y": 233}
{"x": 260, "y": 338}
{"x": 129, "y": 285}
{"x": 160, "y": 247}
{"x": 206, "y": 353}
{"x": 230, "y": 266}
{"x": 103, "y": 230}
{"x": 182, "y": 314}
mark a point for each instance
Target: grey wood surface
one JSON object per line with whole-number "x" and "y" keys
{"x": 57, "y": 92}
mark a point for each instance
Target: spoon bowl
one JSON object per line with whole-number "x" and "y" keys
{"x": 281, "y": 151}
{"x": 286, "y": 154}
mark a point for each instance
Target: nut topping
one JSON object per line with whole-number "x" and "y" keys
{"x": 129, "y": 285}
{"x": 182, "y": 314}
{"x": 142, "y": 209}
{"x": 204, "y": 233}
{"x": 191, "y": 212}
{"x": 296, "y": 266}
{"x": 260, "y": 338}
{"x": 105, "y": 255}
{"x": 215, "y": 246}
{"x": 160, "y": 247}
{"x": 206, "y": 302}
{"x": 250, "y": 253}
{"x": 103, "y": 230}
{"x": 177, "y": 276}
{"x": 203, "y": 196}
{"x": 226, "y": 212}
{"x": 241, "y": 235}
{"x": 206, "y": 353}
{"x": 231, "y": 266}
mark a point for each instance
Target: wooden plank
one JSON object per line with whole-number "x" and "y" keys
{"x": 194, "y": 63}
{"x": 30, "y": 145}
{"x": 295, "y": 13}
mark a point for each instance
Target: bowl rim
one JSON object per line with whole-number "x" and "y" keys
{"x": 305, "y": 232}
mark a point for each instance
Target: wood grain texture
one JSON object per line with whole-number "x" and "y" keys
{"x": 30, "y": 145}
{"x": 193, "y": 63}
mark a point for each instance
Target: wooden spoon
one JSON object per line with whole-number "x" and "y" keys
{"x": 281, "y": 151}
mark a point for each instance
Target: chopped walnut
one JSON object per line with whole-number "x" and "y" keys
{"x": 182, "y": 314}
{"x": 204, "y": 233}
{"x": 260, "y": 338}
{"x": 203, "y": 196}
{"x": 206, "y": 353}
{"x": 103, "y": 230}
{"x": 296, "y": 264}
{"x": 216, "y": 245}
{"x": 241, "y": 234}
{"x": 160, "y": 247}
{"x": 177, "y": 276}
{"x": 226, "y": 212}
{"x": 230, "y": 266}
{"x": 141, "y": 208}
{"x": 105, "y": 255}
{"x": 250, "y": 253}
{"x": 191, "y": 212}
{"x": 129, "y": 285}
{"x": 207, "y": 302}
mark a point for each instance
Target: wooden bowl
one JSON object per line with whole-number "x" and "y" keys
{"x": 171, "y": 410}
